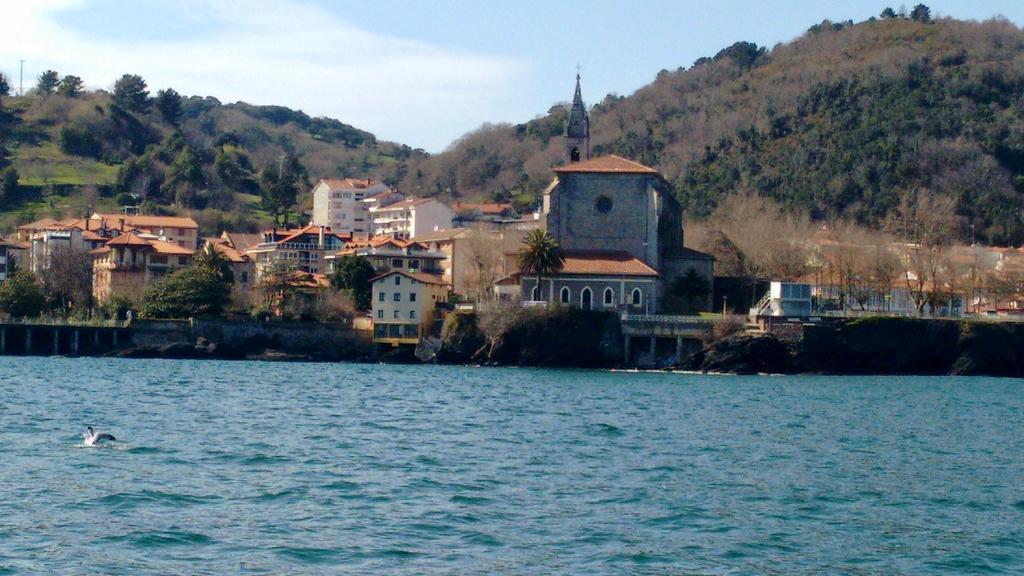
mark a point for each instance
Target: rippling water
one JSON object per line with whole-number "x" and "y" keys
{"x": 325, "y": 468}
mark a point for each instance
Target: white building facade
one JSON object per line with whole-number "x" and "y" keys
{"x": 411, "y": 217}
{"x": 338, "y": 204}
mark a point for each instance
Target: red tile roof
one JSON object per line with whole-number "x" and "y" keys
{"x": 486, "y": 208}
{"x": 148, "y": 221}
{"x": 604, "y": 263}
{"x": 607, "y": 165}
{"x": 349, "y": 182}
{"x": 424, "y": 278}
{"x": 128, "y": 240}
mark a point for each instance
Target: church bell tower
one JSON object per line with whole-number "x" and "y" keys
{"x": 577, "y": 131}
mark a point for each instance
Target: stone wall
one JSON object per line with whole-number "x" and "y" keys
{"x": 240, "y": 339}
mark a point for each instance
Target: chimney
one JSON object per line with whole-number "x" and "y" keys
{"x": 120, "y": 224}
{"x": 320, "y": 238}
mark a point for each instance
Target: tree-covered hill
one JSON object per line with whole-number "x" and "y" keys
{"x": 72, "y": 149}
{"x": 838, "y": 124}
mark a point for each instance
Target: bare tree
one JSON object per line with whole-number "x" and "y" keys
{"x": 67, "y": 280}
{"x": 483, "y": 252}
{"x": 927, "y": 224}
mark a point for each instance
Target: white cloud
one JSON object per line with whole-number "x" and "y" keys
{"x": 283, "y": 52}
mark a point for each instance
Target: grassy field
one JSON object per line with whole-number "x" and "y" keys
{"x": 46, "y": 164}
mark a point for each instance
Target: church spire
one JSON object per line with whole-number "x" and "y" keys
{"x": 577, "y": 131}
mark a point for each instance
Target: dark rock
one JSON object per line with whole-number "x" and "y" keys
{"x": 744, "y": 354}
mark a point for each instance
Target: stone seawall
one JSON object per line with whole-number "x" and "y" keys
{"x": 233, "y": 339}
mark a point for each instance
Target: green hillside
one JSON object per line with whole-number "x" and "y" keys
{"x": 204, "y": 159}
{"x": 837, "y": 124}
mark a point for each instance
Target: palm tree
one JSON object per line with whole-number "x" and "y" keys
{"x": 541, "y": 255}
{"x": 212, "y": 258}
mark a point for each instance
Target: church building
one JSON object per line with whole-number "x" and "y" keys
{"x": 620, "y": 228}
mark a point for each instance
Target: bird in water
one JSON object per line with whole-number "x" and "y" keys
{"x": 92, "y": 438}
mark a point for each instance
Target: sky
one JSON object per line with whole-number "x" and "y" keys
{"x": 418, "y": 73}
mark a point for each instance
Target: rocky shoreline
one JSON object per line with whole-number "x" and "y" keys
{"x": 874, "y": 346}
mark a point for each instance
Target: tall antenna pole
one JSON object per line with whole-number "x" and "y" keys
{"x": 21, "y": 79}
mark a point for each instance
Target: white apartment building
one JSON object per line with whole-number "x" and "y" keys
{"x": 411, "y": 217}
{"x": 338, "y": 204}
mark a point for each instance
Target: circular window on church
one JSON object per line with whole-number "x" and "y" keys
{"x": 603, "y": 204}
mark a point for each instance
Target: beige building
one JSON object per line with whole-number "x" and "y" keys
{"x": 180, "y": 230}
{"x": 411, "y": 217}
{"x": 339, "y": 204}
{"x": 128, "y": 264}
{"x": 405, "y": 306}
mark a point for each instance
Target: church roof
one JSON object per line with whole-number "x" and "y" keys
{"x": 610, "y": 164}
{"x": 604, "y": 263}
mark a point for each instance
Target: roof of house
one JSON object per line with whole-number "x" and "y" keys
{"x": 243, "y": 241}
{"x": 289, "y": 235}
{"x": 226, "y": 250}
{"x": 603, "y": 263}
{"x": 408, "y": 203}
{"x": 440, "y": 235}
{"x": 13, "y": 244}
{"x": 610, "y": 164}
{"x": 149, "y": 221}
{"x": 168, "y": 248}
{"x": 43, "y": 224}
{"x": 423, "y": 278}
{"x": 485, "y": 208}
{"x": 128, "y": 240}
{"x": 349, "y": 182}
{"x": 158, "y": 246}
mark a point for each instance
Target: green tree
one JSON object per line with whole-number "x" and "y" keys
{"x": 541, "y": 255}
{"x": 130, "y": 93}
{"x": 279, "y": 186}
{"x": 168, "y": 103}
{"x": 888, "y": 13}
{"x": 79, "y": 141}
{"x": 185, "y": 178}
{"x": 921, "y": 13}
{"x": 199, "y": 290}
{"x": 9, "y": 189}
{"x": 692, "y": 288}
{"x": 48, "y": 82}
{"x": 353, "y": 273}
{"x": 5, "y": 88}
{"x": 71, "y": 86}
{"x": 21, "y": 295}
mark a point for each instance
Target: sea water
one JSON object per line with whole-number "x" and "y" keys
{"x": 264, "y": 468}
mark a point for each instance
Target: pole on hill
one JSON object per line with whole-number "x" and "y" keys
{"x": 21, "y": 79}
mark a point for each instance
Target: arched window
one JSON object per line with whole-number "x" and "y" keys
{"x": 574, "y": 156}
{"x": 609, "y": 297}
{"x": 636, "y": 298}
{"x": 563, "y": 296}
{"x": 586, "y": 299}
